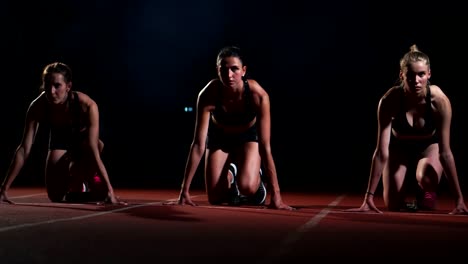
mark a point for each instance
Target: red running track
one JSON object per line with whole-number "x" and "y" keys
{"x": 35, "y": 230}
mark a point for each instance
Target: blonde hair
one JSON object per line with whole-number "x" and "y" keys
{"x": 413, "y": 55}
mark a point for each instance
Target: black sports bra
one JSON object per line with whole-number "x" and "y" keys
{"x": 75, "y": 122}
{"x": 400, "y": 123}
{"x": 235, "y": 118}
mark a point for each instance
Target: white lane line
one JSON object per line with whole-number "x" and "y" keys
{"x": 27, "y": 196}
{"x": 52, "y": 221}
{"x": 288, "y": 243}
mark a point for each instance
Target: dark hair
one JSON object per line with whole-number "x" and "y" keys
{"x": 230, "y": 51}
{"x": 56, "y": 67}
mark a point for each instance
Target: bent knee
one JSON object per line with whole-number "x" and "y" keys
{"x": 248, "y": 189}
{"x": 428, "y": 177}
{"x": 248, "y": 185}
{"x": 100, "y": 145}
{"x": 56, "y": 193}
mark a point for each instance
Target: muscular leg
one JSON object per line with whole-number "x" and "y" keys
{"x": 248, "y": 160}
{"x": 83, "y": 169}
{"x": 429, "y": 169}
{"x": 428, "y": 173}
{"x": 393, "y": 181}
{"x": 216, "y": 175}
{"x": 57, "y": 177}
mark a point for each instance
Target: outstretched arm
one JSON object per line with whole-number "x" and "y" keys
{"x": 197, "y": 148}
{"x": 444, "y": 109}
{"x": 380, "y": 156}
{"x": 22, "y": 152}
{"x": 262, "y": 101}
{"x": 93, "y": 137}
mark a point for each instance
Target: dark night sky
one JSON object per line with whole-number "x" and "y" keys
{"x": 325, "y": 66}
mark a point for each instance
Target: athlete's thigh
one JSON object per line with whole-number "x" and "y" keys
{"x": 429, "y": 167}
{"x": 83, "y": 163}
{"x": 216, "y": 164}
{"x": 394, "y": 176}
{"x": 57, "y": 174}
{"x": 249, "y": 162}
{"x": 58, "y": 162}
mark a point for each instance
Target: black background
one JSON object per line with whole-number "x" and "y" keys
{"x": 325, "y": 65}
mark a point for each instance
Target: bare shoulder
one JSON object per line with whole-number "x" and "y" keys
{"x": 210, "y": 87}
{"x": 439, "y": 98}
{"x": 256, "y": 88}
{"x": 38, "y": 101}
{"x": 84, "y": 99}
{"x": 392, "y": 94}
{"x": 208, "y": 94}
{"x": 259, "y": 95}
{"x": 437, "y": 93}
{"x": 37, "y": 105}
{"x": 390, "y": 101}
